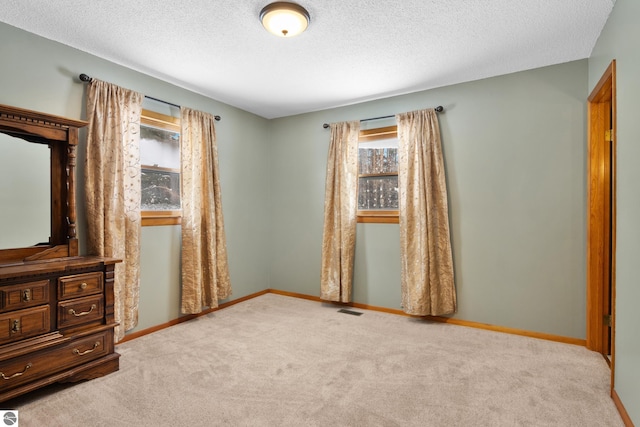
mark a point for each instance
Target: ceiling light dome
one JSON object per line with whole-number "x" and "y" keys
{"x": 284, "y": 19}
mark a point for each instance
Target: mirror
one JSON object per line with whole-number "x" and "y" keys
{"x": 37, "y": 185}
{"x": 25, "y": 193}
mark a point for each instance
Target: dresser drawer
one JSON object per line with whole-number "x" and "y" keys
{"x": 21, "y": 324}
{"x": 79, "y": 285}
{"x": 80, "y": 310}
{"x": 20, "y": 370}
{"x": 24, "y": 295}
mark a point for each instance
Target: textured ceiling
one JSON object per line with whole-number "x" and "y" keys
{"x": 353, "y": 50}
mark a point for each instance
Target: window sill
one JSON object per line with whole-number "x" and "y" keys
{"x": 380, "y": 217}
{"x": 153, "y": 218}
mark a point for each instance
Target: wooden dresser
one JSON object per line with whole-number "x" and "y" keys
{"x": 56, "y": 322}
{"x": 56, "y": 307}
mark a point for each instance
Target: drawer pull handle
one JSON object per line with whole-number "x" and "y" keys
{"x": 26, "y": 295}
{"x": 84, "y": 313}
{"x": 15, "y": 327}
{"x": 83, "y": 285}
{"x": 79, "y": 353}
{"x": 17, "y": 374}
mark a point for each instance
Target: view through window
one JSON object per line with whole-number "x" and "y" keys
{"x": 160, "y": 168}
{"x": 378, "y": 175}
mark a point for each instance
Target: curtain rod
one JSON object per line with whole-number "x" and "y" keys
{"x": 438, "y": 109}
{"x": 85, "y": 78}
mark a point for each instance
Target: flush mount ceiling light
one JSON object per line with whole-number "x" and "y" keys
{"x": 284, "y": 19}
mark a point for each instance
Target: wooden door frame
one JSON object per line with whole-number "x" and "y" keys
{"x": 601, "y": 113}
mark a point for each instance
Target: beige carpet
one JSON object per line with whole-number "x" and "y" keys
{"x": 281, "y": 361}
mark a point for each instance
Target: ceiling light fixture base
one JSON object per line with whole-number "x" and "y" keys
{"x": 284, "y": 19}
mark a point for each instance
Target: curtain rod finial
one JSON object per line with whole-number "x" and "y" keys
{"x": 83, "y": 77}
{"x": 439, "y": 108}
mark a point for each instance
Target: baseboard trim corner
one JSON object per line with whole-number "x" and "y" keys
{"x": 621, "y": 409}
{"x": 188, "y": 317}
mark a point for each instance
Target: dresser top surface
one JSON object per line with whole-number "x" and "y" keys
{"x": 52, "y": 266}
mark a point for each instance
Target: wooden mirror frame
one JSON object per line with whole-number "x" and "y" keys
{"x": 61, "y": 135}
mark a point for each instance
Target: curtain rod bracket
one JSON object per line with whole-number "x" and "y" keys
{"x": 438, "y": 109}
{"x": 86, "y": 79}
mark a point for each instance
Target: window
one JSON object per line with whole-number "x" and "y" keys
{"x": 378, "y": 175}
{"x": 160, "y": 169}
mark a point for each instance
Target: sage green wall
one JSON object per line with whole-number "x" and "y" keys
{"x": 619, "y": 41}
{"x": 39, "y": 74}
{"x": 515, "y": 153}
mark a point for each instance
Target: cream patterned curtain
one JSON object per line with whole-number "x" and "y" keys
{"x": 425, "y": 245}
{"x": 205, "y": 272}
{"x": 112, "y": 189}
{"x": 340, "y": 210}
